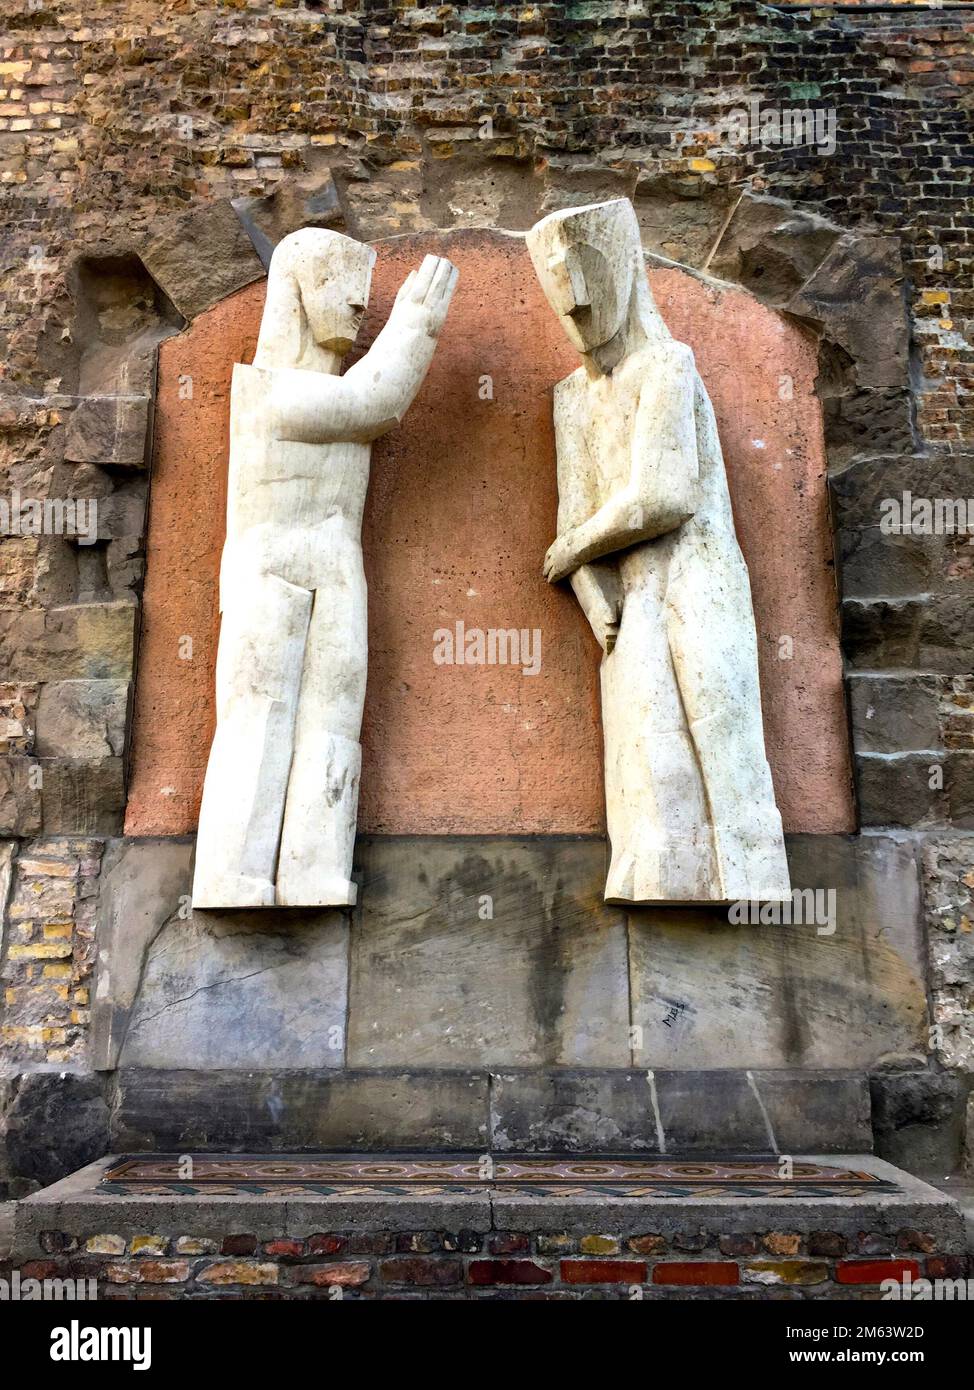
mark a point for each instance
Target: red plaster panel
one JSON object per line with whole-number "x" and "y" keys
{"x": 461, "y": 509}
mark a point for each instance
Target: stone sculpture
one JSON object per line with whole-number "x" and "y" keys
{"x": 277, "y": 823}
{"x": 646, "y": 535}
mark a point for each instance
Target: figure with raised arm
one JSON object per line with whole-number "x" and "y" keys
{"x": 277, "y": 823}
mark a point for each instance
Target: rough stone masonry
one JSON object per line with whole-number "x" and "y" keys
{"x": 150, "y": 161}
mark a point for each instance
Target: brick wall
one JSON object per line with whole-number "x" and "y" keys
{"x": 558, "y": 1266}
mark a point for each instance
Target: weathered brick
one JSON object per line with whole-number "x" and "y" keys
{"x": 696, "y": 1272}
{"x": 249, "y": 1272}
{"x": 831, "y": 1244}
{"x": 239, "y": 1245}
{"x": 327, "y": 1243}
{"x": 599, "y": 1245}
{"x": 148, "y": 1245}
{"x": 603, "y": 1271}
{"x": 284, "y": 1249}
{"x": 425, "y": 1270}
{"x": 105, "y": 1245}
{"x": 785, "y": 1272}
{"x": 875, "y": 1271}
{"x": 508, "y": 1243}
{"x": 782, "y": 1242}
{"x": 483, "y": 1272}
{"x": 347, "y": 1274}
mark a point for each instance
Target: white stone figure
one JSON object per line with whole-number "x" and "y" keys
{"x": 645, "y": 531}
{"x": 277, "y": 824}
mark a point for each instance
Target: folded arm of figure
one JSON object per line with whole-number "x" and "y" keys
{"x": 662, "y": 491}
{"x": 374, "y": 395}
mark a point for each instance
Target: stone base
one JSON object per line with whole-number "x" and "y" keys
{"x": 516, "y": 1111}
{"x": 483, "y": 1241}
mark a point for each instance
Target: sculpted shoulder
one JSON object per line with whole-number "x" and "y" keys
{"x": 570, "y": 385}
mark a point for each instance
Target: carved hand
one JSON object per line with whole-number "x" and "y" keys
{"x": 560, "y": 559}
{"x": 425, "y": 294}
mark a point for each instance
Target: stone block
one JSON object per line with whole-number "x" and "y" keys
{"x": 582, "y": 1112}
{"x": 820, "y": 1112}
{"x": 900, "y": 789}
{"x": 867, "y": 421}
{"x": 176, "y": 988}
{"x": 706, "y": 991}
{"x": 486, "y": 951}
{"x": 945, "y": 637}
{"x": 78, "y": 641}
{"x": 201, "y": 257}
{"x": 877, "y": 565}
{"x": 710, "y": 1111}
{"x": 894, "y": 713}
{"x": 52, "y": 1122}
{"x": 860, "y": 488}
{"x": 960, "y": 788}
{"x": 20, "y": 796}
{"x": 918, "y": 1119}
{"x": 771, "y": 249}
{"x": 142, "y": 885}
{"x": 289, "y": 1110}
{"x": 82, "y": 719}
{"x": 881, "y": 633}
{"x": 236, "y": 990}
{"x": 856, "y": 294}
{"x": 82, "y": 796}
{"x": 109, "y": 430}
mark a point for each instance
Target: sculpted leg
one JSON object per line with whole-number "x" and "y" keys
{"x": 712, "y": 638}
{"x": 656, "y": 810}
{"x": 258, "y": 676}
{"x": 322, "y": 799}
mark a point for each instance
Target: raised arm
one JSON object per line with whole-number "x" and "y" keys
{"x": 374, "y": 395}
{"x": 662, "y": 489}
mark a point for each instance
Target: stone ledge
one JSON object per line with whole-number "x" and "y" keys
{"x": 573, "y": 1111}
{"x": 486, "y": 1239}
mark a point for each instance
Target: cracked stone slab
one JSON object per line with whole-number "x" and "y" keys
{"x": 177, "y": 989}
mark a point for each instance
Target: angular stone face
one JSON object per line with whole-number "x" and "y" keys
{"x": 287, "y": 1110}
{"x": 705, "y": 990}
{"x": 894, "y": 713}
{"x": 472, "y": 951}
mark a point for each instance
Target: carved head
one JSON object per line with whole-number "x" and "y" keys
{"x": 327, "y": 276}
{"x": 587, "y": 259}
